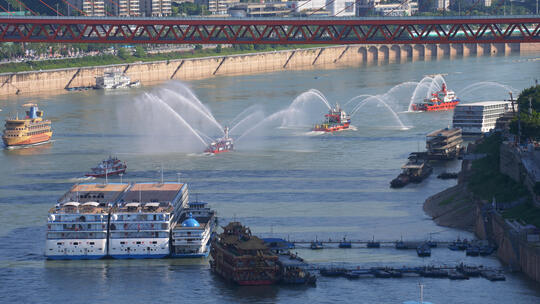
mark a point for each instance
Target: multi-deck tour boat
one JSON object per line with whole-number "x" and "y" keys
{"x": 115, "y": 79}
{"x": 140, "y": 225}
{"x": 77, "y": 225}
{"x": 108, "y": 167}
{"x": 336, "y": 120}
{"x": 191, "y": 234}
{"x": 92, "y": 221}
{"x": 242, "y": 258}
{"x": 28, "y": 131}
{"x": 223, "y": 144}
{"x": 440, "y": 101}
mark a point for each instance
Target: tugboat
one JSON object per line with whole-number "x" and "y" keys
{"x": 415, "y": 171}
{"x": 336, "y": 120}
{"x": 108, "y": 167}
{"x": 30, "y": 130}
{"x": 223, "y": 144}
{"x": 242, "y": 258}
{"x": 440, "y": 101}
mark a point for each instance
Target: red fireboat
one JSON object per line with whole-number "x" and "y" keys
{"x": 108, "y": 167}
{"x": 223, "y": 144}
{"x": 440, "y": 101}
{"x": 336, "y": 120}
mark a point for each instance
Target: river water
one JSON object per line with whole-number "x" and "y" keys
{"x": 281, "y": 181}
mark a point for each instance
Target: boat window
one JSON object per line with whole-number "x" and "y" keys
{"x": 59, "y": 243}
{"x": 92, "y": 243}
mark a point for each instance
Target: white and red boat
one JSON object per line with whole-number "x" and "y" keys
{"x": 336, "y": 120}
{"x": 108, "y": 167}
{"x": 221, "y": 145}
{"x": 440, "y": 101}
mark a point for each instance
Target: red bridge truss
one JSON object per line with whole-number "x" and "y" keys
{"x": 404, "y": 30}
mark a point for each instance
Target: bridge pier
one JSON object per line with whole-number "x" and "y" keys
{"x": 456, "y": 50}
{"x": 430, "y": 51}
{"x": 395, "y": 52}
{"x": 469, "y": 49}
{"x": 443, "y": 50}
{"x": 372, "y": 54}
{"x": 483, "y": 49}
{"x": 383, "y": 53}
{"x": 497, "y": 48}
{"x": 405, "y": 53}
{"x": 418, "y": 51}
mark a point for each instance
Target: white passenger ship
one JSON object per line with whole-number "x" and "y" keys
{"x": 140, "y": 224}
{"x": 191, "y": 234}
{"x": 77, "y": 225}
{"x": 115, "y": 79}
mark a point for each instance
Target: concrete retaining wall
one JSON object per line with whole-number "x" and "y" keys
{"x": 39, "y": 82}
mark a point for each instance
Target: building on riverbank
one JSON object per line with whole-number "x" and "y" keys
{"x": 482, "y": 117}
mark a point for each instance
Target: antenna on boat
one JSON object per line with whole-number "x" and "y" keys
{"x": 140, "y": 195}
{"x": 178, "y": 176}
{"x": 421, "y": 293}
{"x": 162, "y": 173}
{"x": 106, "y": 176}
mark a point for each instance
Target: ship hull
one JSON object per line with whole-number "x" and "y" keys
{"x": 116, "y": 172}
{"x": 444, "y": 106}
{"x": 74, "y": 257}
{"x": 138, "y": 256}
{"x": 27, "y": 140}
{"x": 333, "y": 128}
{"x": 255, "y": 283}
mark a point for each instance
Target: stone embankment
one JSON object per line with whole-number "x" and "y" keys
{"x": 40, "y": 82}
{"x": 456, "y": 207}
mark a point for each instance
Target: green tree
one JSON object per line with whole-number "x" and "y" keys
{"x": 122, "y": 53}
{"x": 529, "y": 118}
{"x": 218, "y": 48}
{"x": 140, "y": 52}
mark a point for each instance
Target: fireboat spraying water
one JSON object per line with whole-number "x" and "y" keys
{"x": 440, "y": 101}
{"x": 223, "y": 144}
{"x": 336, "y": 120}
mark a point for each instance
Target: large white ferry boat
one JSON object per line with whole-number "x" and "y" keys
{"x": 77, "y": 225}
{"x": 191, "y": 234}
{"x": 115, "y": 79}
{"x": 140, "y": 224}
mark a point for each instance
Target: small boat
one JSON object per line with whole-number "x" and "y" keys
{"x": 440, "y": 101}
{"x": 292, "y": 275}
{"x": 414, "y": 171}
{"x": 108, "y": 167}
{"x": 336, "y": 120}
{"x": 345, "y": 244}
{"x": 115, "y": 79}
{"x": 224, "y": 144}
{"x": 493, "y": 275}
{"x": 455, "y": 275}
{"x": 373, "y": 244}
{"x": 315, "y": 245}
{"x": 472, "y": 250}
{"x": 471, "y": 271}
{"x": 381, "y": 274}
{"x": 423, "y": 250}
{"x": 401, "y": 245}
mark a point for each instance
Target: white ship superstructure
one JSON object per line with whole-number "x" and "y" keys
{"x": 77, "y": 225}
{"x": 191, "y": 234}
{"x": 140, "y": 224}
{"x": 481, "y": 117}
{"x": 114, "y": 80}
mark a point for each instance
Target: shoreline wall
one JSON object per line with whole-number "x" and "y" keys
{"x": 38, "y": 82}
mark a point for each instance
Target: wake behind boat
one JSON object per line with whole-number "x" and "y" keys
{"x": 108, "y": 167}
{"x": 336, "y": 120}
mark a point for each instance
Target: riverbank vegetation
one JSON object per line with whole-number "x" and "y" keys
{"x": 139, "y": 54}
{"x": 486, "y": 181}
{"x": 529, "y": 114}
